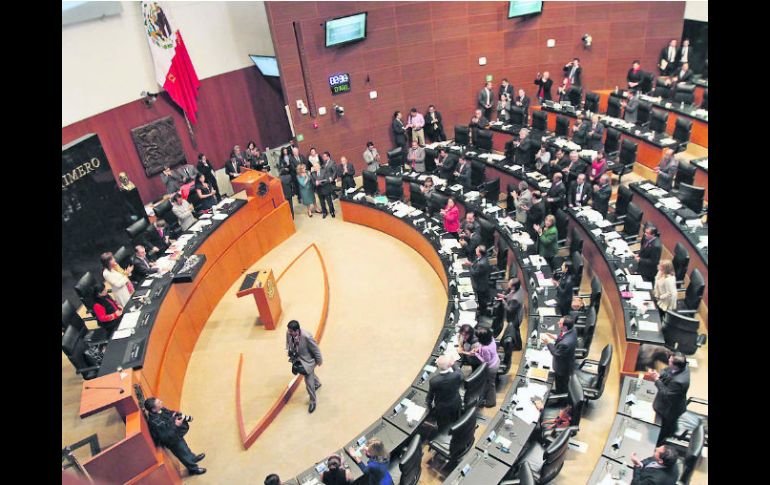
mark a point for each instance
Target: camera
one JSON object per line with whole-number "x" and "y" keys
{"x": 185, "y": 418}
{"x": 339, "y": 110}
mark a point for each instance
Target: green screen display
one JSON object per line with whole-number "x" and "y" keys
{"x": 346, "y": 29}
{"x": 520, "y": 8}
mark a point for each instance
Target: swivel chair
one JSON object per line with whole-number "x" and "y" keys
{"x": 593, "y": 382}
{"x": 458, "y": 440}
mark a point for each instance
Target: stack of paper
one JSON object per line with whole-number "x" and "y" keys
{"x": 468, "y": 318}
{"x": 414, "y": 412}
{"x": 542, "y": 358}
{"x": 220, "y": 216}
{"x": 200, "y": 225}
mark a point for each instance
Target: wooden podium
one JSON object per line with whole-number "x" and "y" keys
{"x": 262, "y": 285}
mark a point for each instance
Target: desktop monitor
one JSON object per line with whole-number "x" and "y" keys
{"x": 692, "y": 197}
{"x": 344, "y": 30}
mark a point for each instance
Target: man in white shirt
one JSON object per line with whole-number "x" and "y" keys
{"x": 683, "y": 56}
{"x": 667, "y": 59}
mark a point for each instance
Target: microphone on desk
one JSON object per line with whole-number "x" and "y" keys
{"x": 96, "y": 387}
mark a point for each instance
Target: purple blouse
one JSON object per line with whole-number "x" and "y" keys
{"x": 488, "y": 354}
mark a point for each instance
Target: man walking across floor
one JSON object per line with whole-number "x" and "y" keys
{"x": 303, "y": 349}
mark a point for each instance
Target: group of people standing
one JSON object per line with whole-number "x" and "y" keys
{"x": 416, "y": 127}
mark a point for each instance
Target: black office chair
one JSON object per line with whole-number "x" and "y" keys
{"x": 370, "y": 182}
{"x": 457, "y": 441}
{"x": 164, "y": 211}
{"x": 613, "y": 107}
{"x": 693, "y": 294}
{"x": 684, "y": 93}
{"x": 595, "y": 297}
{"x": 645, "y": 84}
{"x": 474, "y": 387}
{"x": 84, "y": 288}
{"x": 576, "y": 269}
{"x": 544, "y": 461}
{"x": 632, "y": 224}
{"x": 681, "y": 333}
{"x": 85, "y": 359}
{"x": 575, "y": 241}
{"x": 621, "y": 205}
{"x": 396, "y": 160}
{"x": 478, "y": 170}
{"x": 658, "y": 121}
{"x": 705, "y": 103}
{"x": 626, "y": 159}
{"x": 574, "y": 95}
{"x": 681, "y": 262}
{"x": 123, "y": 256}
{"x": 408, "y": 465}
{"x": 524, "y": 476}
{"x": 394, "y": 187}
{"x": 662, "y": 89}
{"x": 689, "y": 421}
{"x": 462, "y": 135}
{"x": 664, "y": 181}
{"x": 483, "y": 140}
{"x": 416, "y": 197}
{"x": 562, "y": 126}
{"x": 562, "y": 226}
{"x": 689, "y": 462}
{"x": 593, "y": 382}
{"x": 539, "y": 121}
{"x": 591, "y": 102}
{"x": 643, "y": 113}
{"x": 611, "y": 142}
{"x": 430, "y": 159}
{"x": 685, "y": 173}
{"x": 585, "y": 334}
{"x": 518, "y": 117}
{"x": 136, "y": 231}
{"x": 556, "y": 402}
{"x": 506, "y": 357}
{"x": 437, "y": 201}
{"x": 70, "y": 318}
{"x": 682, "y": 131}
{"x": 490, "y": 190}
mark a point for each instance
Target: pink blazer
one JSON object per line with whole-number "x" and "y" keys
{"x": 452, "y": 219}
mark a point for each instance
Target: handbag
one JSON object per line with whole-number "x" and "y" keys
{"x": 298, "y": 368}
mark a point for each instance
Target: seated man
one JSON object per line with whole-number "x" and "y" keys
{"x": 668, "y": 164}
{"x": 158, "y": 238}
{"x": 658, "y": 469}
{"x": 443, "y": 398}
{"x": 143, "y": 267}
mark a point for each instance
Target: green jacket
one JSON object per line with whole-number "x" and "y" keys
{"x": 549, "y": 242}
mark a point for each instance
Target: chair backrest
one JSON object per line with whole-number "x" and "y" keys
{"x": 136, "y": 230}
{"x": 487, "y": 232}
{"x": 416, "y": 197}
{"x": 483, "y": 139}
{"x": 478, "y": 169}
{"x": 658, "y": 120}
{"x": 680, "y": 332}
{"x": 613, "y": 107}
{"x": 524, "y": 475}
{"x": 624, "y": 198}
{"x": 592, "y": 102}
{"x": 596, "y": 293}
{"x": 492, "y": 190}
{"x": 645, "y": 85}
{"x": 633, "y": 221}
{"x": 562, "y": 125}
{"x": 681, "y": 261}
{"x": 553, "y": 457}
{"x": 461, "y": 434}
{"x": 437, "y": 201}
{"x": 590, "y": 328}
{"x": 682, "y": 129}
{"x": 575, "y": 241}
{"x": 603, "y": 370}
{"x": 507, "y": 344}
{"x": 474, "y": 385}
{"x": 576, "y": 398}
{"x": 498, "y": 315}
{"x": 370, "y": 182}
{"x": 396, "y": 158}
{"x": 705, "y": 103}
{"x": 562, "y": 223}
{"x": 73, "y": 345}
{"x": 661, "y": 89}
{"x": 163, "y": 211}
{"x": 694, "y": 292}
{"x": 574, "y": 94}
{"x": 685, "y": 173}
{"x": 85, "y": 288}
{"x": 664, "y": 181}
{"x": 409, "y": 464}
{"x": 643, "y": 112}
{"x": 69, "y": 316}
{"x": 540, "y": 120}
{"x": 518, "y": 116}
{"x": 430, "y": 159}
{"x": 462, "y": 135}
{"x": 123, "y": 256}
{"x": 628, "y": 150}
{"x": 693, "y": 453}
{"x": 394, "y": 187}
{"x": 612, "y": 142}
{"x": 576, "y": 267}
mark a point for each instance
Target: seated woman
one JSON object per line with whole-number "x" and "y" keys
{"x": 183, "y": 211}
{"x": 106, "y": 310}
{"x": 118, "y": 278}
{"x": 207, "y": 197}
{"x": 376, "y": 470}
{"x": 336, "y": 474}
{"x": 466, "y": 344}
{"x": 427, "y": 187}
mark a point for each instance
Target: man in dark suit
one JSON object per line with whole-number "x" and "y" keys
{"x": 667, "y": 59}
{"x": 522, "y": 101}
{"x": 143, "y": 267}
{"x": 595, "y": 134}
{"x": 576, "y": 165}
{"x": 231, "y": 168}
{"x": 563, "y": 351}
{"x": 168, "y": 429}
{"x": 463, "y": 173}
{"x": 649, "y": 254}
{"x": 443, "y": 397}
{"x": 602, "y": 193}
{"x": 486, "y": 99}
{"x": 634, "y": 75}
{"x": 434, "y": 128}
{"x": 580, "y": 131}
{"x": 535, "y": 214}
{"x": 157, "y": 238}
{"x": 684, "y": 54}
{"x": 564, "y": 292}
{"x": 580, "y": 192}
{"x": 572, "y": 71}
{"x": 671, "y": 400}
{"x": 399, "y": 131}
{"x": 301, "y": 346}
{"x": 682, "y": 74}
{"x": 480, "y": 271}
{"x": 556, "y": 194}
{"x": 446, "y": 164}
{"x": 478, "y": 121}
{"x": 525, "y": 149}
{"x": 505, "y": 88}
{"x": 658, "y": 469}
{"x": 631, "y": 107}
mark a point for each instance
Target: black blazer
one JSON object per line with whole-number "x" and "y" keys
{"x": 208, "y": 173}
{"x": 464, "y": 177}
{"x": 563, "y": 351}
{"x": 601, "y": 199}
{"x": 595, "y": 140}
{"x": 634, "y": 77}
{"x": 141, "y": 270}
{"x": 399, "y": 132}
{"x": 444, "y": 390}
{"x": 535, "y": 215}
{"x": 578, "y": 72}
{"x": 564, "y": 293}
{"x": 508, "y": 91}
{"x": 480, "y": 270}
{"x": 671, "y": 400}
{"x": 585, "y": 194}
{"x": 559, "y": 194}
{"x": 654, "y": 476}
{"x": 231, "y": 167}
{"x": 546, "y": 87}
{"x": 448, "y": 166}
{"x": 525, "y": 153}
{"x": 685, "y": 78}
{"x": 649, "y": 257}
{"x": 524, "y": 105}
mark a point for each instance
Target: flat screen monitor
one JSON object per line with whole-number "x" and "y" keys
{"x": 344, "y": 30}
{"x": 691, "y": 196}
{"x": 267, "y": 65}
{"x": 521, "y": 8}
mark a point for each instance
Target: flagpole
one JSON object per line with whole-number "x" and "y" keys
{"x": 190, "y": 131}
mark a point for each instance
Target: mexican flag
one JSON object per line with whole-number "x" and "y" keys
{"x": 173, "y": 68}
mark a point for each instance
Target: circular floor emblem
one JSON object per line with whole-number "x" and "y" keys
{"x": 158, "y": 28}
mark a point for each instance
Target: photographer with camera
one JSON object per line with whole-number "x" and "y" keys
{"x": 168, "y": 428}
{"x": 304, "y": 356}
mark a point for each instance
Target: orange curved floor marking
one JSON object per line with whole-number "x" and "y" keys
{"x": 248, "y": 439}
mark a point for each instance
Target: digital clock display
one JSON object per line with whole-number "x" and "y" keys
{"x": 339, "y": 83}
